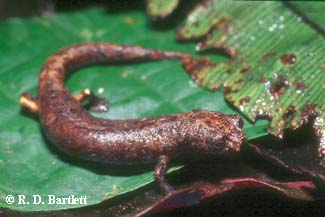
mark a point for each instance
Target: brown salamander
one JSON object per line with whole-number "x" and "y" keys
{"x": 154, "y": 139}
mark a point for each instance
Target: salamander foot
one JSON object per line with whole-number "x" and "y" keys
{"x": 29, "y": 103}
{"x": 94, "y": 103}
{"x": 159, "y": 174}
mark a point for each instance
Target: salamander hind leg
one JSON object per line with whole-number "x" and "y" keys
{"x": 159, "y": 174}
{"x": 29, "y": 103}
{"x": 93, "y": 102}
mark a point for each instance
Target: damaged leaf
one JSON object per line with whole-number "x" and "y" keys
{"x": 277, "y": 66}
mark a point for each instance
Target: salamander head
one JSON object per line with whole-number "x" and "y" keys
{"x": 213, "y": 132}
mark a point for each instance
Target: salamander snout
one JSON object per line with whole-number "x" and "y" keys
{"x": 216, "y": 132}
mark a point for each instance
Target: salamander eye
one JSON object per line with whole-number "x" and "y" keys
{"x": 240, "y": 122}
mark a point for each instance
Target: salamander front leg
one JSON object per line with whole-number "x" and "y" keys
{"x": 94, "y": 103}
{"x": 29, "y": 103}
{"x": 159, "y": 174}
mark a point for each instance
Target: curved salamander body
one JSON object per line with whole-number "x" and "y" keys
{"x": 71, "y": 128}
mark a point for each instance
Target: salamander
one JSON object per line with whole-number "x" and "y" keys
{"x": 69, "y": 126}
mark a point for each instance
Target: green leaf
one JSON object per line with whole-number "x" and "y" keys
{"x": 312, "y": 11}
{"x": 277, "y": 67}
{"x": 32, "y": 166}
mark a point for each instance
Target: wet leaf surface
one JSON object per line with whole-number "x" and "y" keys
{"x": 313, "y": 13}
{"x": 276, "y": 71}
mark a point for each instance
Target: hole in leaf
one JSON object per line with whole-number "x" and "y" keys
{"x": 279, "y": 86}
